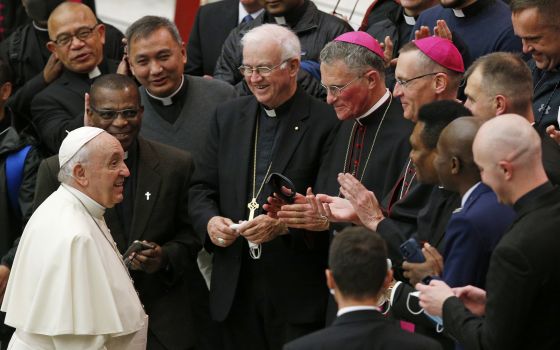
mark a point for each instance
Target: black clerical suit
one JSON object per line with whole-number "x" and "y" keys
{"x": 363, "y": 330}
{"x": 291, "y": 269}
{"x": 211, "y": 27}
{"x": 522, "y": 284}
{"x": 60, "y": 106}
{"x": 176, "y": 297}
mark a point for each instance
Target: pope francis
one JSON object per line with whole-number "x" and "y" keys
{"x": 69, "y": 288}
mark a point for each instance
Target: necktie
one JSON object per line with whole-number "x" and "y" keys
{"x": 247, "y": 19}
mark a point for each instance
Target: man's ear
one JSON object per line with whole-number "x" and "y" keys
{"x": 51, "y": 46}
{"x": 79, "y": 175}
{"x": 330, "y": 279}
{"x": 507, "y": 169}
{"x": 293, "y": 66}
{"x": 440, "y": 83}
{"x": 5, "y": 91}
{"x": 455, "y": 165}
{"x": 500, "y": 103}
{"x": 373, "y": 78}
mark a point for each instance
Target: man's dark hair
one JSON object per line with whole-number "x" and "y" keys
{"x": 436, "y": 116}
{"x": 505, "y": 73}
{"x": 5, "y": 72}
{"x": 358, "y": 261}
{"x": 145, "y": 26}
{"x": 112, "y": 81}
{"x": 549, "y": 9}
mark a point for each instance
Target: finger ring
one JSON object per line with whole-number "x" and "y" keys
{"x": 221, "y": 240}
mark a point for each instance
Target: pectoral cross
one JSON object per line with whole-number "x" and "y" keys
{"x": 252, "y": 205}
{"x": 147, "y": 194}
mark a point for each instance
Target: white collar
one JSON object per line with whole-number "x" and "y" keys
{"x": 95, "y": 209}
{"x": 125, "y": 155}
{"x": 378, "y": 104}
{"x": 458, "y": 13}
{"x": 39, "y": 28}
{"x": 468, "y": 193}
{"x": 270, "y": 112}
{"x": 348, "y": 309}
{"x": 243, "y": 13}
{"x": 168, "y": 101}
{"x": 280, "y": 20}
{"x": 410, "y": 20}
{"x": 94, "y": 73}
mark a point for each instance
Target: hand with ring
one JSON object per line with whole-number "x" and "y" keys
{"x": 309, "y": 215}
{"x": 220, "y": 233}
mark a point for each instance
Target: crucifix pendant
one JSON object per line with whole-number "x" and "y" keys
{"x": 252, "y": 205}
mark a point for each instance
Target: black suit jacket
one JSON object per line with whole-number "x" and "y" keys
{"x": 293, "y": 265}
{"x": 60, "y": 106}
{"x": 364, "y": 329}
{"x": 522, "y": 285}
{"x": 170, "y": 294}
{"x": 211, "y": 27}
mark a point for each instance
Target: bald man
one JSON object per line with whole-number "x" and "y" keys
{"x": 520, "y": 306}
{"x": 77, "y": 41}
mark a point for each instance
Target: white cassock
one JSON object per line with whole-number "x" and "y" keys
{"x": 68, "y": 288}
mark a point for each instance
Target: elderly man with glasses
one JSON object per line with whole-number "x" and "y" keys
{"x": 154, "y": 210}
{"x": 268, "y": 281}
{"x": 77, "y": 41}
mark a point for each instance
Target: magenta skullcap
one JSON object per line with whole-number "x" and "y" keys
{"x": 442, "y": 51}
{"x": 362, "y": 39}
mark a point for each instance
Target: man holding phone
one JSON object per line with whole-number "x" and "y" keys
{"x": 152, "y": 219}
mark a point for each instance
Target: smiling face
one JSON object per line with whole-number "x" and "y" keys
{"x": 123, "y": 129}
{"x": 280, "y": 7}
{"x": 416, "y": 93}
{"x": 355, "y": 99}
{"x": 422, "y": 157}
{"x": 158, "y": 62}
{"x": 79, "y": 55}
{"x": 539, "y": 38}
{"x": 276, "y": 87}
{"x": 105, "y": 171}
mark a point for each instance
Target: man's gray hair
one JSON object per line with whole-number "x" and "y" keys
{"x": 356, "y": 58}
{"x": 65, "y": 174}
{"x": 147, "y": 25}
{"x": 283, "y": 37}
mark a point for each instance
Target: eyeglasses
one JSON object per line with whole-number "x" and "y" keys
{"x": 262, "y": 70}
{"x": 110, "y": 114}
{"x": 404, "y": 83}
{"x": 82, "y": 34}
{"x": 335, "y": 91}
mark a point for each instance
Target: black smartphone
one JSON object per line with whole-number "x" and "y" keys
{"x": 137, "y": 246}
{"x": 412, "y": 251}
{"x": 282, "y": 186}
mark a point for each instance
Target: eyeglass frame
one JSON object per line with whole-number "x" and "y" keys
{"x": 404, "y": 83}
{"x": 116, "y": 113}
{"x": 256, "y": 69}
{"x": 75, "y": 35}
{"x": 335, "y": 91}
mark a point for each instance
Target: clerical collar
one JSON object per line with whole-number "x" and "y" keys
{"x": 280, "y": 110}
{"x": 95, "y": 209}
{"x": 292, "y": 17}
{"x": 348, "y": 309}
{"x": 94, "y": 73}
{"x": 473, "y": 9}
{"x": 378, "y": 104}
{"x": 39, "y": 28}
{"x": 168, "y": 101}
{"x": 467, "y": 194}
{"x": 409, "y": 20}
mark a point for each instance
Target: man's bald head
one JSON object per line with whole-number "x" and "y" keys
{"x": 507, "y": 150}
{"x": 76, "y": 37}
{"x": 454, "y": 162}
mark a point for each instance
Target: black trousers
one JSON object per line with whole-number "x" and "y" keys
{"x": 253, "y": 322}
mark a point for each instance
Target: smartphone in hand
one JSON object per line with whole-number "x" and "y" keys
{"x": 412, "y": 251}
{"x": 135, "y": 247}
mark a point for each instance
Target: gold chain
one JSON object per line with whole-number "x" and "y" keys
{"x": 372, "y": 145}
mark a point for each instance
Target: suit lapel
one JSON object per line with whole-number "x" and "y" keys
{"x": 242, "y": 165}
{"x": 291, "y": 132}
{"x": 148, "y": 184}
